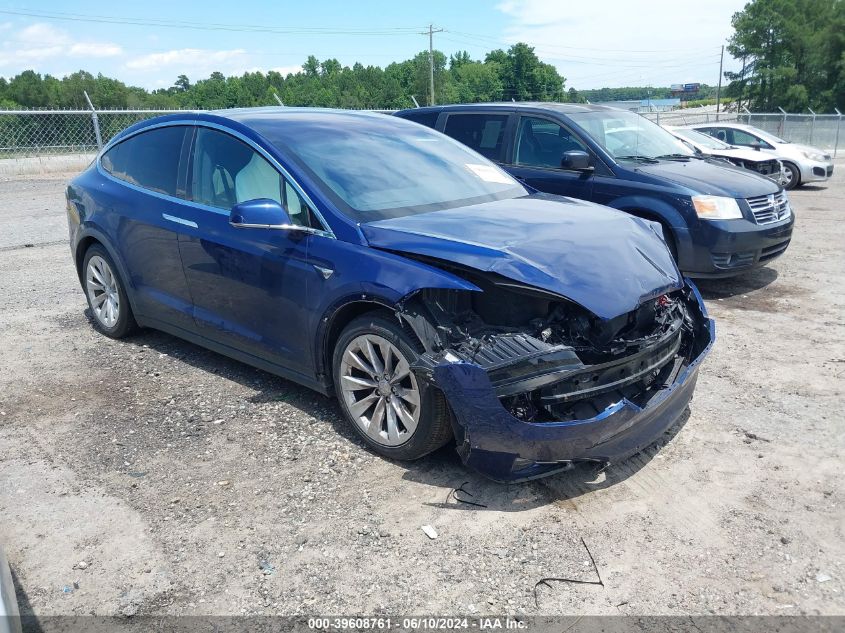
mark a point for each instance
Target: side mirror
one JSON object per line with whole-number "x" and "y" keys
{"x": 576, "y": 160}
{"x": 756, "y": 145}
{"x": 261, "y": 213}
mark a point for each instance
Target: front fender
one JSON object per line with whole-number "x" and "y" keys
{"x": 366, "y": 275}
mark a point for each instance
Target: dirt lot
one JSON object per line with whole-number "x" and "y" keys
{"x": 165, "y": 479}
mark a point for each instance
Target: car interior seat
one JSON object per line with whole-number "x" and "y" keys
{"x": 258, "y": 179}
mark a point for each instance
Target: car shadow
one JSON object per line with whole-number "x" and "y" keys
{"x": 467, "y": 490}
{"x": 29, "y": 621}
{"x": 809, "y": 188}
{"x": 741, "y": 284}
{"x": 440, "y": 469}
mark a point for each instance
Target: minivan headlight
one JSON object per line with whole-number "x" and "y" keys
{"x": 716, "y": 208}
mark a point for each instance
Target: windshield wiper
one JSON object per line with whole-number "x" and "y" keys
{"x": 683, "y": 157}
{"x": 643, "y": 159}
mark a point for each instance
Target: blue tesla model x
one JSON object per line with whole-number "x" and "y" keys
{"x": 375, "y": 259}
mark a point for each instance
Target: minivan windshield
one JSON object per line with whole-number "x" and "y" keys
{"x": 628, "y": 136}
{"x": 374, "y": 169}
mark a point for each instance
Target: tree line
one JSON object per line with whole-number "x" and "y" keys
{"x": 793, "y": 54}
{"x": 516, "y": 73}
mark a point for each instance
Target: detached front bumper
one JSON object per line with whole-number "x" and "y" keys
{"x": 507, "y": 449}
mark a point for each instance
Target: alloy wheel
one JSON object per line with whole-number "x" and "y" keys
{"x": 790, "y": 174}
{"x": 380, "y": 391}
{"x": 103, "y": 291}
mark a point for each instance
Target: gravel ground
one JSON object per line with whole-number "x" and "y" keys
{"x": 149, "y": 476}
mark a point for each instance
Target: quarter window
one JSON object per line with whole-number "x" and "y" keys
{"x": 227, "y": 171}
{"x": 149, "y": 159}
{"x": 482, "y": 132}
{"x": 542, "y": 143}
{"x": 428, "y": 119}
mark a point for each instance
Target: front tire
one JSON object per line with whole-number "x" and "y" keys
{"x": 397, "y": 414}
{"x": 793, "y": 175}
{"x": 106, "y": 294}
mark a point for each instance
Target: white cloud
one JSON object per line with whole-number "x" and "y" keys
{"x": 623, "y": 42}
{"x": 41, "y": 34}
{"x": 188, "y": 59}
{"x": 38, "y": 43}
{"x": 95, "y": 49}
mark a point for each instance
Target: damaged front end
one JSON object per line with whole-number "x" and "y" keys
{"x": 536, "y": 382}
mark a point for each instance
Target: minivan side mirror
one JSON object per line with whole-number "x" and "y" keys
{"x": 261, "y": 213}
{"x": 576, "y": 160}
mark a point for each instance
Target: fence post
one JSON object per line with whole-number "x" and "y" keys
{"x": 95, "y": 120}
{"x": 782, "y": 129}
{"x": 838, "y": 123}
{"x": 748, "y": 115}
{"x": 812, "y": 125}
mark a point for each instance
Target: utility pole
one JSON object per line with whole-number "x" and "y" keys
{"x": 431, "y": 32}
{"x": 719, "y": 86}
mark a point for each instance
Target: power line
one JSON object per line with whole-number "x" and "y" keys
{"x": 205, "y": 26}
{"x": 580, "y": 48}
{"x": 600, "y": 61}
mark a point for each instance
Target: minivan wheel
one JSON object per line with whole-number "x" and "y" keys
{"x": 793, "y": 176}
{"x": 106, "y": 295}
{"x": 397, "y": 414}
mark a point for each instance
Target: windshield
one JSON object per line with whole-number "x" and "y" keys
{"x": 768, "y": 136}
{"x": 626, "y": 135}
{"x": 702, "y": 139}
{"x": 375, "y": 169}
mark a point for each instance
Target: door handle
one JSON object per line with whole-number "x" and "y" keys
{"x": 182, "y": 221}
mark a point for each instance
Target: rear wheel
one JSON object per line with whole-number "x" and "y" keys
{"x": 793, "y": 175}
{"x": 106, "y": 294}
{"x": 394, "y": 412}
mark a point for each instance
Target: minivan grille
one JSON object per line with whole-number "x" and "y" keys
{"x": 771, "y": 208}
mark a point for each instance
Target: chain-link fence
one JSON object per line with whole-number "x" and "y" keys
{"x": 39, "y": 141}
{"x": 825, "y": 131}
{"x": 27, "y": 133}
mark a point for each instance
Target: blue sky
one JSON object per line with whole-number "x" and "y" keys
{"x": 593, "y": 44}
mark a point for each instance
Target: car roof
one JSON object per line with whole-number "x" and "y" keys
{"x": 739, "y": 126}
{"x": 564, "y": 108}
{"x": 247, "y": 116}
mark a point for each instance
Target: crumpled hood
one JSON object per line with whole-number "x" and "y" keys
{"x": 605, "y": 260}
{"x": 704, "y": 177}
{"x": 742, "y": 153}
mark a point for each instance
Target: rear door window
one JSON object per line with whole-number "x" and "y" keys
{"x": 149, "y": 159}
{"x": 485, "y": 133}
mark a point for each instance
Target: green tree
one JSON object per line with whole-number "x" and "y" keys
{"x": 524, "y": 76}
{"x": 793, "y": 52}
{"x": 182, "y": 83}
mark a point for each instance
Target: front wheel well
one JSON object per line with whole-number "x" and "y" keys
{"x": 337, "y": 322}
{"x": 84, "y": 244}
